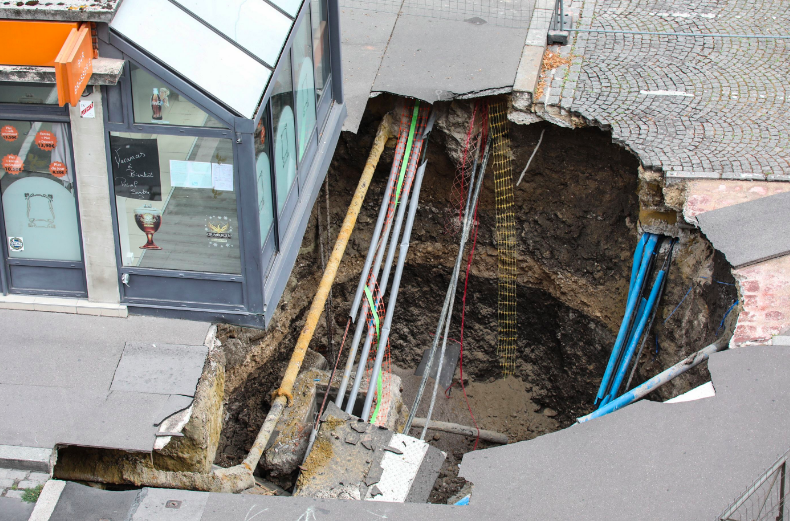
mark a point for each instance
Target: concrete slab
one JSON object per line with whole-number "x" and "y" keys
{"x": 53, "y": 349}
{"x": 159, "y": 368}
{"x": 58, "y": 369}
{"x": 82, "y": 502}
{"x": 433, "y": 59}
{"x": 365, "y": 36}
{"x": 47, "y": 416}
{"x": 12, "y": 509}
{"x": 750, "y": 232}
{"x": 156, "y": 504}
{"x": 649, "y": 460}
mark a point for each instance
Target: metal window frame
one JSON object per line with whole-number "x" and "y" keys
{"x": 42, "y": 114}
{"x": 240, "y": 133}
{"x": 268, "y": 264}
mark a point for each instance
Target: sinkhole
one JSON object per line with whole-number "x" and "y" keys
{"x": 579, "y": 212}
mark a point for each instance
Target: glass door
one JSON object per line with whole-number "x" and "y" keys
{"x": 40, "y": 225}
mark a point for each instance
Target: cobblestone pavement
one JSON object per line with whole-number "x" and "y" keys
{"x": 13, "y": 483}
{"x": 701, "y": 107}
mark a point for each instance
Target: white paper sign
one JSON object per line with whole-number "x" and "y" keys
{"x": 222, "y": 177}
{"x": 87, "y": 109}
{"x": 190, "y": 174}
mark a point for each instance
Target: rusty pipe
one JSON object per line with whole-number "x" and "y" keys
{"x": 239, "y": 477}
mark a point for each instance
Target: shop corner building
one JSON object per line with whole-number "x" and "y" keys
{"x": 162, "y": 157}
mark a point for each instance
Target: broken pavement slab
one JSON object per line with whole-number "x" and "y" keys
{"x": 434, "y": 59}
{"x": 341, "y": 470}
{"x": 750, "y": 232}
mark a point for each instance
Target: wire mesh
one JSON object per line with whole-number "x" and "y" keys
{"x": 506, "y": 237}
{"x": 765, "y": 499}
{"x": 502, "y": 13}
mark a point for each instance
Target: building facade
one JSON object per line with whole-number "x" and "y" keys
{"x": 175, "y": 173}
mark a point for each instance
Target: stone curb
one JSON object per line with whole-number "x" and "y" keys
{"x": 47, "y": 501}
{"x": 26, "y": 458}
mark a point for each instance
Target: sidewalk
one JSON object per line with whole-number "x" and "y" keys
{"x": 92, "y": 381}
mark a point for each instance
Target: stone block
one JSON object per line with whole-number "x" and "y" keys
{"x": 528, "y": 69}
{"x": 38, "y": 477}
{"x": 15, "y": 493}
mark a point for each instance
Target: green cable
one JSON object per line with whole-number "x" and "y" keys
{"x": 404, "y": 166}
{"x": 372, "y": 308}
{"x": 379, "y": 387}
{"x": 406, "y": 155}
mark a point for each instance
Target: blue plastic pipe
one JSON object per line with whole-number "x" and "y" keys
{"x": 650, "y": 247}
{"x": 640, "y": 248}
{"x": 640, "y": 327}
{"x": 657, "y": 381}
{"x": 639, "y": 314}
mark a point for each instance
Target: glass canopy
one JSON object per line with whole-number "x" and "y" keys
{"x": 229, "y": 49}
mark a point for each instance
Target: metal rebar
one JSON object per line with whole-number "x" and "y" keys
{"x": 442, "y": 315}
{"x": 465, "y": 236}
{"x": 446, "y": 309}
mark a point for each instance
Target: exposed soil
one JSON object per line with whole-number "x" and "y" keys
{"x": 577, "y": 225}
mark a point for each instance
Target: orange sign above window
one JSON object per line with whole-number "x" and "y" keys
{"x": 74, "y": 66}
{"x": 32, "y": 43}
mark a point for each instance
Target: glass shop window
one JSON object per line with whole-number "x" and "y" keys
{"x": 37, "y": 187}
{"x": 28, "y": 93}
{"x": 318, "y": 11}
{"x": 156, "y": 102}
{"x": 284, "y": 138}
{"x": 263, "y": 172}
{"x": 176, "y": 202}
{"x": 305, "y": 85}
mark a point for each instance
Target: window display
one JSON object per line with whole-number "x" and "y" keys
{"x": 320, "y": 45}
{"x": 176, "y": 202}
{"x": 156, "y": 102}
{"x": 305, "y": 85}
{"x": 284, "y": 134}
{"x": 37, "y": 187}
{"x": 264, "y": 179}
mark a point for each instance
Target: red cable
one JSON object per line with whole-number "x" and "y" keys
{"x": 463, "y": 301}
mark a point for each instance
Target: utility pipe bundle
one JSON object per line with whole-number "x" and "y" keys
{"x": 403, "y": 175}
{"x": 445, "y": 316}
{"x": 635, "y": 320}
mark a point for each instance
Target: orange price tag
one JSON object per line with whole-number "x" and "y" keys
{"x": 12, "y": 164}
{"x": 9, "y": 133}
{"x": 46, "y": 140}
{"x": 57, "y": 169}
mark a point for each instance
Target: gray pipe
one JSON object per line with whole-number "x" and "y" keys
{"x": 448, "y": 296}
{"x": 352, "y": 399}
{"x": 376, "y": 233}
{"x": 404, "y": 250}
{"x": 360, "y": 323}
{"x": 454, "y": 284}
